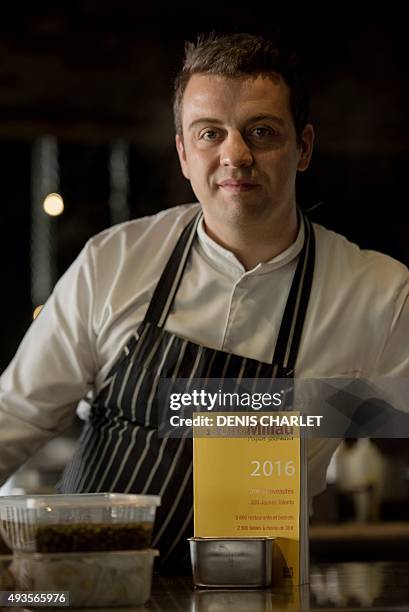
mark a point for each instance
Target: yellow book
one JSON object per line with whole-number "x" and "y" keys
{"x": 254, "y": 485}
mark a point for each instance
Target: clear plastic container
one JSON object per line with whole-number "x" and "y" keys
{"x": 82, "y": 522}
{"x": 121, "y": 578}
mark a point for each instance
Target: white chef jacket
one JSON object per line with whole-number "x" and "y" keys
{"x": 357, "y": 323}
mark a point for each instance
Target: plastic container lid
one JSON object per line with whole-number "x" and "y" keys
{"x": 89, "y": 500}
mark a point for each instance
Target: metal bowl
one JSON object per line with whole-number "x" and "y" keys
{"x": 232, "y": 562}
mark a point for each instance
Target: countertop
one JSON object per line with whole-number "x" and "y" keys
{"x": 378, "y": 586}
{"x": 341, "y": 586}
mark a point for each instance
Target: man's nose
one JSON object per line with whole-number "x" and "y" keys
{"x": 235, "y": 151}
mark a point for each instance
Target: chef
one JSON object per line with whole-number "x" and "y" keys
{"x": 239, "y": 285}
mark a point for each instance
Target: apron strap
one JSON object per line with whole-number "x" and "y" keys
{"x": 171, "y": 276}
{"x": 289, "y": 336}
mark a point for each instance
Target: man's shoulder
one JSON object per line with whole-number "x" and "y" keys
{"x": 148, "y": 227}
{"x": 336, "y": 251}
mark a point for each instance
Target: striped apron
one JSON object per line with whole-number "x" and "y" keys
{"x": 119, "y": 449}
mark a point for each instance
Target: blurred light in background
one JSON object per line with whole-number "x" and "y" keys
{"x": 53, "y": 204}
{"x": 37, "y": 311}
{"x": 119, "y": 182}
{"x": 45, "y": 181}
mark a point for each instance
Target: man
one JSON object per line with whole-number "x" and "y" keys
{"x": 248, "y": 289}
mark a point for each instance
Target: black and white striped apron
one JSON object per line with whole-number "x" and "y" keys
{"x": 119, "y": 449}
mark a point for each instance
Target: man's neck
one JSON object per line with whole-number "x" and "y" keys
{"x": 254, "y": 244}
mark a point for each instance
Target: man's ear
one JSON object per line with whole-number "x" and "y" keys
{"x": 306, "y": 145}
{"x": 180, "y": 147}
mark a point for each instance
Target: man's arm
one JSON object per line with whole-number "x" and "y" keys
{"x": 53, "y": 368}
{"x": 393, "y": 359}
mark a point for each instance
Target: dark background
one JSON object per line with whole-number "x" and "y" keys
{"x": 90, "y": 72}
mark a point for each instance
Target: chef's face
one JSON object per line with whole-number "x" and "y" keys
{"x": 239, "y": 147}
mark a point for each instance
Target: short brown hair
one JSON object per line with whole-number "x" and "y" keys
{"x": 241, "y": 55}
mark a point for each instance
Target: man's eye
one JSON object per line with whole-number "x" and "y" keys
{"x": 262, "y": 132}
{"x": 209, "y": 135}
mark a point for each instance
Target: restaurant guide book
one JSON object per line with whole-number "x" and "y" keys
{"x": 252, "y": 482}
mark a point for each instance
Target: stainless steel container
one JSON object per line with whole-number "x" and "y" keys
{"x": 232, "y": 562}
